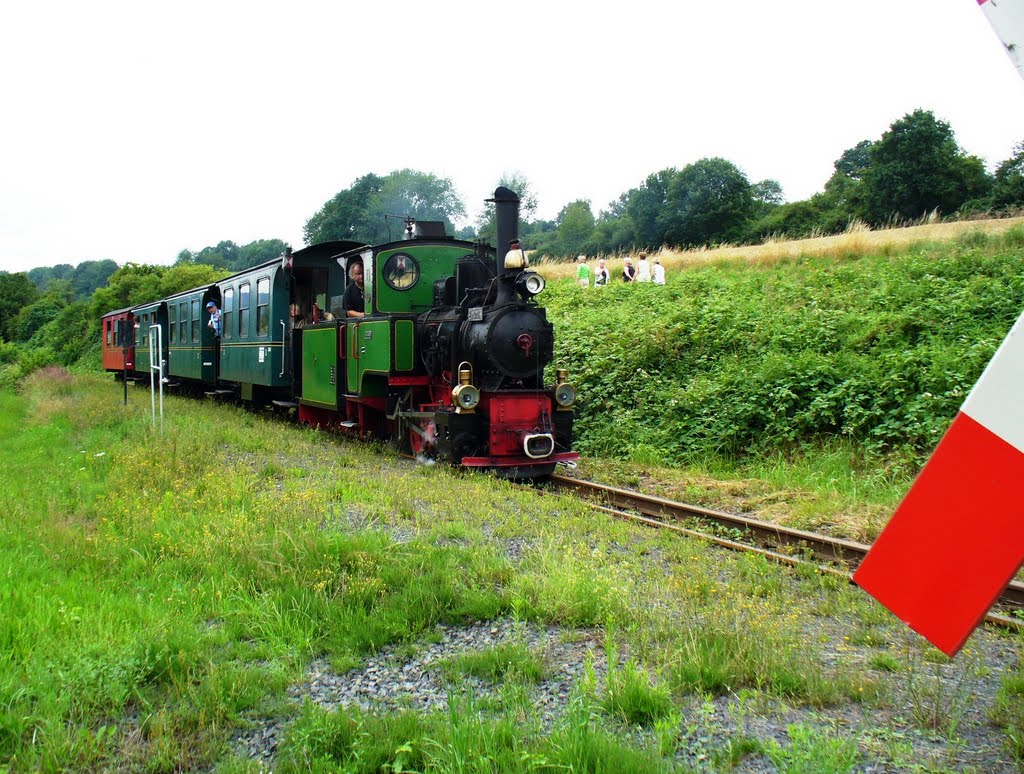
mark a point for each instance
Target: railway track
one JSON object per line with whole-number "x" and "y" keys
{"x": 835, "y": 556}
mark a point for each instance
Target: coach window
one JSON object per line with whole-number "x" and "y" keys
{"x": 183, "y": 322}
{"x": 229, "y": 308}
{"x": 262, "y": 307}
{"x": 243, "y": 310}
{"x": 108, "y": 333}
{"x": 195, "y": 320}
{"x": 172, "y": 322}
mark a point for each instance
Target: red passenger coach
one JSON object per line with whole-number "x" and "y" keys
{"x": 117, "y": 328}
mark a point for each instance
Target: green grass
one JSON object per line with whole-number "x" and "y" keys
{"x": 162, "y": 587}
{"x": 513, "y": 662}
{"x": 811, "y": 751}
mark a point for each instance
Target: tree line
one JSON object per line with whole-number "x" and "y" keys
{"x": 915, "y": 168}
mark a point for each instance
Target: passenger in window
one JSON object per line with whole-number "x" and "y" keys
{"x": 354, "y": 302}
{"x": 214, "y": 322}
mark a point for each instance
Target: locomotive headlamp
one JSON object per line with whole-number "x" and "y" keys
{"x": 530, "y": 283}
{"x": 565, "y": 395}
{"x": 465, "y": 397}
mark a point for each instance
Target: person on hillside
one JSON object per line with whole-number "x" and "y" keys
{"x": 515, "y": 258}
{"x": 659, "y": 272}
{"x": 628, "y": 271}
{"x": 601, "y": 275}
{"x": 582, "y": 272}
{"x": 353, "y": 301}
{"x": 643, "y": 269}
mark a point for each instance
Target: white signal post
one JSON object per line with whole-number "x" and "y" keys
{"x": 1007, "y": 19}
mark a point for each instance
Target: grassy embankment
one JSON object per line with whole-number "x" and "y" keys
{"x": 814, "y": 377}
{"x": 163, "y": 588}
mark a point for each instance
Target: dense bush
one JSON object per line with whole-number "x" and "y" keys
{"x": 733, "y": 359}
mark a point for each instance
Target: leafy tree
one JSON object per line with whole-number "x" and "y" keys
{"x": 69, "y": 334}
{"x": 486, "y": 227}
{"x": 224, "y": 255}
{"x": 575, "y": 227}
{"x": 414, "y": 194}
{"x": 17, "y": 291}
{"x": 89, "y": 275}
{"x": 709, "y": 201}
{"x": 360, "y": 212}
{"x": 767, "y": 192}
{"x": 645, "y": 205}
{"x": 855, "y": 161}
{"x": 345, "y": 215}
{"x": 918, "y": 167}
{"x": 44, "y": 275}
{"x": 1008, "y": 188}
{"x": 175, "y": 279}
{"x": 131, "y": 284}
{"x": 37, "y": 314}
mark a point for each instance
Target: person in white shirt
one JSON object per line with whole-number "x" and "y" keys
{"x": 659, "y": 272}
{"x": 643, "y": 269}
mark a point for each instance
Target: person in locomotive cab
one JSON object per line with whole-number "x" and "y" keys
{"x": 353, "y": 301}
{"x": 515, "y": 258}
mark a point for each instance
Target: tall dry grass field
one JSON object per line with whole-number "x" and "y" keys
{"x": 859, "y": 238}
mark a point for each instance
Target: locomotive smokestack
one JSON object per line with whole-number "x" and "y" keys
{"x": 506, "y": 213}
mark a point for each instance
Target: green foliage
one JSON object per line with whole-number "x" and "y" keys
{"x": 358, "y": 212}
{"x": 709, "y": 201}
{"x": 1008, "y": 187}
{"x": 226, "y": 255}
{"x": 918, "y": 167}
{"x": 16, "y": 293}
{"x": 811, "y": 751}
{"x": 134, "y": 284}
{"x": 575, "y": 226}
{"x": 502, "y": 662}
{"x": 736, "y": 360}
{"x": 84, "y": 278}
{"x": 486, "y": 227}
{"x": 645, "y": 205}
{"x": 629, "y": 694}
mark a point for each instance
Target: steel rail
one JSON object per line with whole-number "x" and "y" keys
{"x": 653, "y": 510}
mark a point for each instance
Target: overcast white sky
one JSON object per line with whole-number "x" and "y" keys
{"x": 132, "y": 130}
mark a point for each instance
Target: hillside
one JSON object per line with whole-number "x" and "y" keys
{"x": 863, "y": 352}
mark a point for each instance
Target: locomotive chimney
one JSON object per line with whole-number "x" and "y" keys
{"x": 506, "y": 214}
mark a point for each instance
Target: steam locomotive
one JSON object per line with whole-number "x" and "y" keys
{"x": 448, "y": 361}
